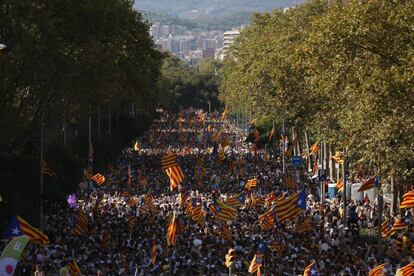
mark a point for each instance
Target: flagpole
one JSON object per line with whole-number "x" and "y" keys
{"x": 41, "y": 173}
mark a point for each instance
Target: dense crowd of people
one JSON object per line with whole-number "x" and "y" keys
{"x": 121, "y": 231}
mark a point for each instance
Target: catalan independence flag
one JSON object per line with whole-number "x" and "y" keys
{"x": 172, "y": 169}
{"x": 369, "y": 184}
{"x": 225, "y": 233}
{"x": 288, "y": 207}
{"x": 74, "y": 269}
{"x": 406, "y": 270}
{"x": 106, "y": 238}
{"x": 385, "y": 229}
{"x": 305, "y": 226}
{"x": 408, "y": 200}
{"x": 314, "y": 149}
{"x": 311, "y": 270}
{"x": 223, "y": 212}
{"x": 251, "y": 183}
{"x": 81, "y": 223}
{"x": 339, "y": 184}
{"x": 236, "y": 201}
{"x": 99, "y": 179}
{"x": 18, "y": 226}
{"x": 255, "y": 265}
{"x": 377, "y": 271}
{"x": 290, "y": 182}
{"x": 172, "y": 231}
{"x": 153, "y": 252}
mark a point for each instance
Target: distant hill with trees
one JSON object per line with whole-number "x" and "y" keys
{"x": 211, "y": 8}
{"x": 224, "y": 22}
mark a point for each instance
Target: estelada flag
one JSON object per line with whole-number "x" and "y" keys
{"x": 172, "y": 231}
{"x": 377, "y": 271}
{"x": 74, "y": 268}
{"x": 99, "y": 179}
{"x": 254, "y": 264}
{"x": 408, "y": 200}
{"x": 251, "y": 183}
{"x": 311, "y": 270}
{"x": 169, "y": 161}
{"x": 18, "y": 226}
{"x": 314, "y": 149}
{"x": 153, "y": 252}
{"x": 369, "y": 184}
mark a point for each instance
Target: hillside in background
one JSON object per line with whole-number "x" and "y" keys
{"x": 194, "y": 8}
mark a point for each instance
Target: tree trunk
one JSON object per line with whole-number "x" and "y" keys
{"x": 331, "y": 164}
{"x": 117, "y": 115}
{"x": 109, "y": 120}
{"x": 99, "y": 121}
{"x": 293, "y": 139}
{"x": 394, "y": 191}
{"x": 325, "y": 156}
{"x": 307, "y": 152}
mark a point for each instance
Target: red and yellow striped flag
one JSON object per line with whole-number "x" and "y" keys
{"x": 169, "y": 161}
{"x": 74, "y": 268}
{"x": 406, "y": 270}
{"x": 385, "y": 229}
{"x": 377, "y": 271}
{"x": 314, "y": 149}
{"x": 223, "y": 212}
{"x": 153, "y": 252}
{"x": 99, "y": 179}
{"x": 251, "y": 183}
{"x": 339, "y": 184}
{"x": 225, "y": 233}
{"x": 35, "y": 235}
{"x": 254, "y": 265}
{"x": 106, "y": 238}
{"x": 81, "y": 223}
{"x": 176, "y": 176}
{"x": 172, "y": 231}
{"x": 305, "y": 226}
{"x": 408, "y": 200}
{"x": 290, "y": 182}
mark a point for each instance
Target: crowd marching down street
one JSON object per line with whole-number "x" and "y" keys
{"x": 192, "y": 197}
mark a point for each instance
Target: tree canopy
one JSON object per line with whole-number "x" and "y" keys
{"x": 342, "y": 70}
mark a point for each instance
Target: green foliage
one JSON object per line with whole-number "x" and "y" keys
{"x": 182, "y": 86}
{"x": 224, "y": 22}
{"x": 341, "y": 70}
{"x": 66, "y": 59}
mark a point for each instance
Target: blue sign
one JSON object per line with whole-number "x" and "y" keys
{"x": 296, "y": 161}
